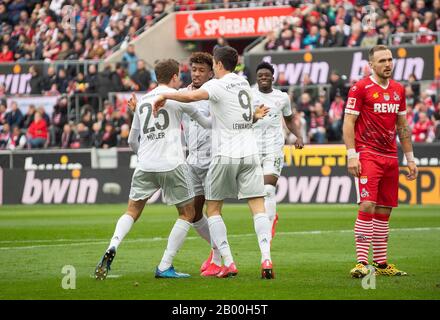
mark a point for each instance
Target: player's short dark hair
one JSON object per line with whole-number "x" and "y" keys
{"x": 202, "y": 58}
{"x": 165, "y": 70}
{"x": 374, "y": 49}
{"x": 228, "y": 56}
{"x": 265, "y": 65}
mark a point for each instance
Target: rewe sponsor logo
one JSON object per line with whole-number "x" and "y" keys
{"x": 59, "y": 190}
{"x": 386, "y": 107}
{"x": 318, "y": 188}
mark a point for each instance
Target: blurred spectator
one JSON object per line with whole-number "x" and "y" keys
{"x": 14, "y": 117}
{"x": 423, "y": 130}
{"x": 5, "y": 136}
{"x": 97, "y": 135}
{"x": 29, "y": 116}
{"x": 44, "y": 115}
{"x": 37, "y": 132}
{"x": 335, "y": 118}
{"x": 18, "y": 139}
{"x": 317, "y": 124}
{"x": 6, "y": 55}
{"x": 36, "y": 82}
{"x": 109, "y": 138}
{"x": 141, "y": 77}
{"x": 59, "y": 119}
{"x": 67, "y": 137}
{"x": 271, "y": 41}
{"x": 83, "y": 136}
{"x": 221, "y": 42}
{"x": 130, "y": 59}
{"x": 336, "y": 84}
{"x": 123, "y": 138}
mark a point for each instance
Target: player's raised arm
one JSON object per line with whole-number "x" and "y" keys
{"x": 133, "y": 137}
{"x": 354, "y": 166}
{"x": 185, "y": 96}
{"x": 404, "y": 133}
{"x": 205, "y": 122}
{"x": 296, "y": 130}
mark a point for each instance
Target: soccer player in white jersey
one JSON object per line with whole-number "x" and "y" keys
{"x": 235, "y": 169}
{"x": 198, "y": 141}
{"x": 269, "y": 134}
{"x": 161, "y": 164}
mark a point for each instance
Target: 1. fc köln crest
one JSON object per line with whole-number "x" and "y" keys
{"x": 386, "y": 96}
{"x": 396, "y": 96}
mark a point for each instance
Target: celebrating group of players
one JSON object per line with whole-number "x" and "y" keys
{"x": 235, "y": 140}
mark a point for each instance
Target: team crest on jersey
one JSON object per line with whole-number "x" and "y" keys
{"x": 396, "y": 96}
{"x": 364, "y": 193}
{"x": 351, "y": 103}
{"x": 375, "y": 95}
{"x": 277, "y": 103}
{"x": 354, "y": 88}
{"x": 386, "y": 96}
{"x": 363, "y": 179}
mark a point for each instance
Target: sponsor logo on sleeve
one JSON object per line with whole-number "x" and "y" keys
{"x": 351, "y": 103}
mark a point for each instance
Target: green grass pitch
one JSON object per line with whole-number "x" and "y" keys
{"x": 313, "y": 252}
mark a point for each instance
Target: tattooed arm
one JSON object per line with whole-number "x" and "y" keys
{"x": 404, "y": 133}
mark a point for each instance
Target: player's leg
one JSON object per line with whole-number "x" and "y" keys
{"x": 143, "y": 186}
{"x": 272, "y": 165}
{"x": 367, "y": 189}
{"x": 220, "y": 184}
{"x": 251, "y": 187}
{"x": 178, "y": 190}
{"x": 200, "y": 222}
{"x": 387, "y": 199}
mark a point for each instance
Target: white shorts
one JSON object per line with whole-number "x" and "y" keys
{"x": 198, "y": 177}
{"x": 272, "y": 164}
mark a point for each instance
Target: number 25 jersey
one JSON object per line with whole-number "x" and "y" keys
{"x": 160, "y": 145}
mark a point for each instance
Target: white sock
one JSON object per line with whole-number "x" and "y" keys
{"x": 263, "y": 230}
{"x": 123, "y": 226}
{"x": 202, "y": 227}
{"x": 217, "y": 229}
{"x": 175, "y": 241}
{"x": 270, "y": 202}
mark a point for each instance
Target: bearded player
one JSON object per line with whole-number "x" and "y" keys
{"x": 374, "y": 113}
{"x": 269, "y": 134}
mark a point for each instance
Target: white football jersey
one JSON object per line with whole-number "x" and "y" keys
{"x": 232, "y": 112}
{"x": 160, "y": 146}
{"x": 269, "y": 130}
{"x": 198, "y": 139}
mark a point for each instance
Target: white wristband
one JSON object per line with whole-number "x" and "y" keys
{"x": 352, "y": 154}
{"x": 409, "y": 156}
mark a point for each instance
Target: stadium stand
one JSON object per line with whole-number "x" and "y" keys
{"x": 33, "y": 32}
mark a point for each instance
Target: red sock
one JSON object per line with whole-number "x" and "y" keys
{"x": 380, "y": 237}
{"x": 363, "y": 231}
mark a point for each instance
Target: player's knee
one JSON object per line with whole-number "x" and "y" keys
{"x": 197, "y": 215}
{"x": 367, "y": 206}
{"x": 269, "y": 190}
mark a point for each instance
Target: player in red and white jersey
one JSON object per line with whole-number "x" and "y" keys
{"x": 375, "y": 113}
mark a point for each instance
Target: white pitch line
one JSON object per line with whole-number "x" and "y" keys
{"x": 82, "y": 242}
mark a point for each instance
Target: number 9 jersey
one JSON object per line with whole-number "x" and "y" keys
{"x": 232, "y": 114}
{"x": 160, "y": 145}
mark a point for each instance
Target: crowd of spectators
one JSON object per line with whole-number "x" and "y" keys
{"x": 69, "y": 29}
{"x": 36, "y": 129}
{"x": 337, "y": 23}
{"x": 320, "y": 110}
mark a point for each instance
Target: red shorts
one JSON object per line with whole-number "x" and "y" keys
{"x": 379, "y": 180}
